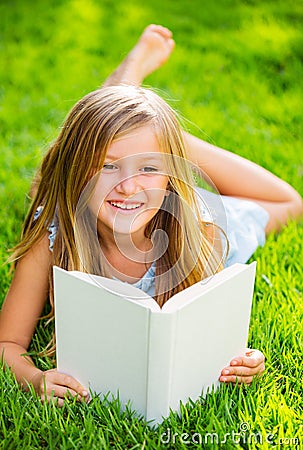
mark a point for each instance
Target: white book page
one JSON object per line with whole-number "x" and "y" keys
{"x": 185, "y": 297}
{"x": 102, "y": 339}
{"x": 209, "y": 333}
{"x": 119, "y": 288}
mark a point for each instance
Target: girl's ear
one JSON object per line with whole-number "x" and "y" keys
{"x": 168, "y": 190}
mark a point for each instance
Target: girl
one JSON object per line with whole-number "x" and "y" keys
{"x": 120, "y": 157}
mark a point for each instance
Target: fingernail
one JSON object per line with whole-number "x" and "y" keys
{"x": 234, "y": 362}
{"x": 225, "y": 371}
{"x": 223, "y": 379}
{"x": 84, "y": 393}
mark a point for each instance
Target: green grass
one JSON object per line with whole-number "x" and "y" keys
{"x": 237, "y": 75}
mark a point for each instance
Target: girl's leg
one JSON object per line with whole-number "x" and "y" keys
{"x": 151, "y": 51}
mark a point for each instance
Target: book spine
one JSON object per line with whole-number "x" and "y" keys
{"x": 160, "y": 365}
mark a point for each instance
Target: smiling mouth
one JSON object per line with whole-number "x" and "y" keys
{"x": 125, "y": 206}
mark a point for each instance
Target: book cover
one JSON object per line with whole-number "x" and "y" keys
{"x": 114, "y": 338}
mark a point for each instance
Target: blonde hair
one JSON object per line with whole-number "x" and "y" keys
{"x": 93, "y": 124}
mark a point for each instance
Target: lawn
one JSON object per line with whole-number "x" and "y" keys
{"x": 236, "y": 76}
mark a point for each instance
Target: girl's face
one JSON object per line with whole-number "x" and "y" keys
{"x": 132, "y": 184}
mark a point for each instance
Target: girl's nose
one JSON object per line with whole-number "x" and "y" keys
{"x": 129, "y": 185}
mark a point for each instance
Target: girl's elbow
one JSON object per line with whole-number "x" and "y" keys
{"x": 297, "y": 206}
{"x": 280, "y": 213}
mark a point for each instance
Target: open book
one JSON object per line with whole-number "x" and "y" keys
{"x": 114, "y": 338}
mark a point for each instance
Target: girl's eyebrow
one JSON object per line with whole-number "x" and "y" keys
{"x": 140, "y": 157}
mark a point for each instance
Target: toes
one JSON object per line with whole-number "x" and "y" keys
{"x": 163, "y": 31}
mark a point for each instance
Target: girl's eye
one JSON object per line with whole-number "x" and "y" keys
{"x": 109, "y": 167}
{"x": 149, "y": 169}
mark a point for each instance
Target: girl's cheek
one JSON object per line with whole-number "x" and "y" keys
{"x": 105, "y": 185}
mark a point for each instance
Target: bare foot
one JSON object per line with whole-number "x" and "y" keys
{"x": 151, "y": 52}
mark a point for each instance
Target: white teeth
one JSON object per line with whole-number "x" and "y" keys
{"x": 125, "y": 206}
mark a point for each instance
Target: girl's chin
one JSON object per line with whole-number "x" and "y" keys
{"x": 128, "y": 230}
{"x": 123, "y": 225}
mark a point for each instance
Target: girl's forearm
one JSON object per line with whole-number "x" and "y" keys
{"x": 236, "y": 176}
{"x": 14, "y": 356}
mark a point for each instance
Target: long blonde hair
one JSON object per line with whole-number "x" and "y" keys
{"x": 93, "y": 124}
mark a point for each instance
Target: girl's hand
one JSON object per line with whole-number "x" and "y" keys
{"x": 56, "y": 386}
{"x": 244, "y": 368}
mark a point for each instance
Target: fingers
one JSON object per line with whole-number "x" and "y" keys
{"x": 252, "y": 359}
{"x": 244, "y": 368}
{"x": 58, "y": 387}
